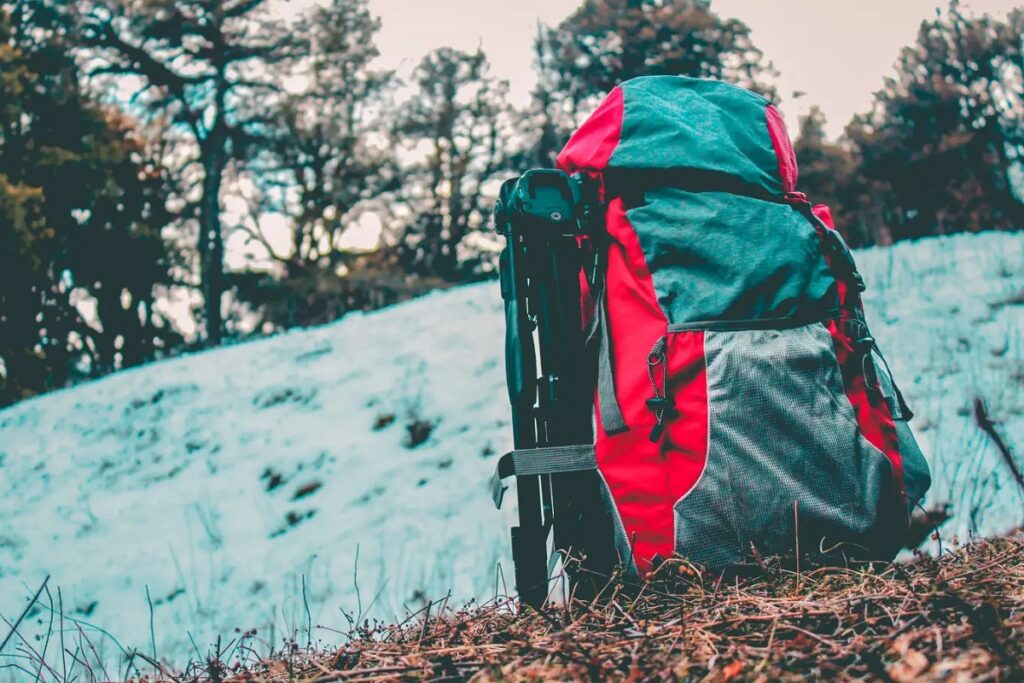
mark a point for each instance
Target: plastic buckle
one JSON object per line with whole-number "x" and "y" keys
{"x": 659, "y": 403}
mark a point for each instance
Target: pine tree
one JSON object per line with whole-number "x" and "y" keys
{"x": 328, "y": 166}
{"x": 827, "y": 173}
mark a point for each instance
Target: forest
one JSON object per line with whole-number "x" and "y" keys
{"x": 181, "y": 174}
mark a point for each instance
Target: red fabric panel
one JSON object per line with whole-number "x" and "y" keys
{"x": 825, "y": 215}
{"x": 875, "y": 421}
{"x": 685, "y": 443}
{"x": 783, "y": 149}
{"x": 645, "y": 478}
{"x": 591, "y": 146}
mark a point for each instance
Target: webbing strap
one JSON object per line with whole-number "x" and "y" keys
{"x": 535, "y": 461}
{"x": 611, "y": 414}
{"x": 841, "y": 261}
{"x": 608, "y": 404}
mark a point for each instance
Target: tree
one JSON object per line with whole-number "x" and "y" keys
{"x": 327, "y": 168}
{"x": 606, "y": 42}
{"x": 827, "y": 173}
{"x": 81, "y": 214}
{"x": 939, "y": 146}
{"x": 210, "y": 67}
{"x": 460, "y": 121}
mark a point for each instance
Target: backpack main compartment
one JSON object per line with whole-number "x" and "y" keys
{"x": 742, "y": 403}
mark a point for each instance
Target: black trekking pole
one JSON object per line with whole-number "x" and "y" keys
{"x": 541, "y": 216}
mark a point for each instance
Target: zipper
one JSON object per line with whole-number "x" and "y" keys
{"x": 785, "y": 323}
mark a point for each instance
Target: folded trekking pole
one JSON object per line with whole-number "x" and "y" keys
{"x": 542, "y": 218}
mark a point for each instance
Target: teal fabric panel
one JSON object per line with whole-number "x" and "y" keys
{"x": 691, "y": 124}
{"x": 718, "y": 256}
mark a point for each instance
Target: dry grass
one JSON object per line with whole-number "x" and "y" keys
{"x": 960, "y": 617}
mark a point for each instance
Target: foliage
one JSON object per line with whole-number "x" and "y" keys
{"x": 937, "y": 150}
{"x": 212, "y": 68}
{"x": 327, "y": 167}
{"x": 324, "y": 143}
{"x": 81, "y": 212}
{"x": 460, "y": 122}
{"x": 827, "y": 172}
{"x": 604, "y": 43}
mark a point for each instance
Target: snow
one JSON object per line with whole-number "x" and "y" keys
{"x": 948, "y": 312}
{"x": 230, "y": 484}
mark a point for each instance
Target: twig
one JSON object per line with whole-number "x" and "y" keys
{"x": 152, "y": 629}
{"x": 309, "y": 617}
{"x": 63, "y": 659}
{"x": 24, "y": 613}
{"x": 355, "y": 584}
{"x": 988, "y": 426}
{"x": 796, "y": 534}
{"x": 88, "y": 641}
{"x": 46, "y": 643}
{"x": 159, "y": 667}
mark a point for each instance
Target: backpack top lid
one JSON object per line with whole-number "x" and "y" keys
{"x": 705, "y": 171}
{"x": 682, "y": 124}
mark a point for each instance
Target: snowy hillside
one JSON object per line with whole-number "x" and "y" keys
{"x": 227, "y": 484}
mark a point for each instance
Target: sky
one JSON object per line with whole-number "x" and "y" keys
{"x": 835, "y": 51}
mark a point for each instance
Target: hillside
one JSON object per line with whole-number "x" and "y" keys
{"x": 344, "y": 467}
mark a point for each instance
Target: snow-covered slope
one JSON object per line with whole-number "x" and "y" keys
{"x": 948, "y": 313}
{"x": 228, "y": 484}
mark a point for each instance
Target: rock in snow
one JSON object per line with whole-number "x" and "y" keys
{"x": 344, "y": 468}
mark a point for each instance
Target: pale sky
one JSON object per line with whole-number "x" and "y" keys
{"x": 836, "y": 51}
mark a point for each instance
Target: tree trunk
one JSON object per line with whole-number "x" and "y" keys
{"x": 215, "y": 161}
{"x": 211, "y": 240}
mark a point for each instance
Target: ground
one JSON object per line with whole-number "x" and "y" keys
{"x": 957, "y": 618}
{"x": 287, "y": 484}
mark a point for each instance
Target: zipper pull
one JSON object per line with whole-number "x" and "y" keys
{"x": 657, "y": 431}
{"x": 661, "y": 404}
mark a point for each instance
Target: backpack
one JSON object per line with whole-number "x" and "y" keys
{"x": 741, "y": 405}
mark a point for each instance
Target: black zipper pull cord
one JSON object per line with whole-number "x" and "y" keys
{"x": 863, "y": 343}
{"x": 661, "y": 403}
{"x": 869, "y": 369}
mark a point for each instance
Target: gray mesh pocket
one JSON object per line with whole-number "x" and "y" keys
{"x": 783, "y": 444}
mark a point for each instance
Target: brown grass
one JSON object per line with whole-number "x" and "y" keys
{"x": 960, "y": 617}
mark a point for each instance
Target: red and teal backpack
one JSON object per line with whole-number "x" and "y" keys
{"x": 740, "y": 400}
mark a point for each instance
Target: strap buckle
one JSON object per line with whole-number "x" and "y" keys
{"x": 524, "y": 462}
{"x": 842, "y": 259}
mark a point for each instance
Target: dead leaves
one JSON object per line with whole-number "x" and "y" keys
{"x": 958, "y": 618}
